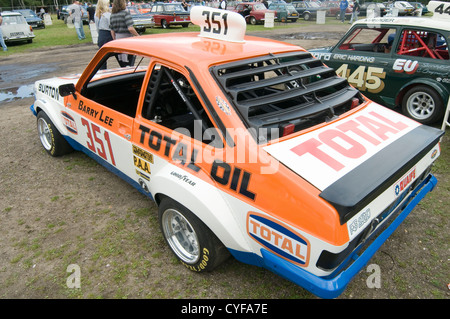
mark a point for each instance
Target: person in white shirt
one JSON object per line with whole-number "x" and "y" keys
{"x": 76, "y": 14}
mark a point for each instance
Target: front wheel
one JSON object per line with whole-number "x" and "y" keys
{"x": 164, "y": 24}
{"x": 52, "y": 141}
{"x": 423, "y": 104}
{"x": 192, "y": 242}
{"x": 252, "y": 20}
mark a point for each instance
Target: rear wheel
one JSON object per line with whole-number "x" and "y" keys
{"x": 192, "y": 242}
{"x": 423, "y": 104}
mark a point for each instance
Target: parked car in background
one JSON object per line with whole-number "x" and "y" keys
{"x": 401, "y": 63}
{"x": 404, "y": 8}
{"x": 15, "y": 28}
{"x": 64, "y": 14}
{"x": 417, "y": 6}
{"x": 380, "y": 9}
{"x": 169, "y": 14}
{"x": 333, "y": 10}
{"x": 144, "y": 7}
{"x": 31, "y": 17}
{"x": 284, "y": 11}
{"x": 141, "y": 21}
{"x": 307, "y": 9}
{"x": 253, "y": 12}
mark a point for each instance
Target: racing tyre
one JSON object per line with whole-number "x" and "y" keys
{"x": 52, "y": 141}
{"x": 192, "y": 242}
{"x": 423, "y": 104}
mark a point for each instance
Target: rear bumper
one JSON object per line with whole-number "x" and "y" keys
{"x": 19, "y": 39}
{"x": 333, "y": 285}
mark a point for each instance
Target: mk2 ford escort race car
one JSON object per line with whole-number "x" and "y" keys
{"x": 249, "y": 146}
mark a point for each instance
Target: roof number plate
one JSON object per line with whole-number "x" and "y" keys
{"x": 219, "y": 24}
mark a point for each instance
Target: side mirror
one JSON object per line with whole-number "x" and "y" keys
{"x": 67, "y": 89}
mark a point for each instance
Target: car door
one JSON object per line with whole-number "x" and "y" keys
{"x": 103, "y": 111}
{"x": 175, "y": 129}
{"x": 364, "y": 58}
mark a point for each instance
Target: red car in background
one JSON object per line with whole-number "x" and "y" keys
{"x": 334, "y": 11}
{"x": 144, "y": 7}
{"x": 253, "y": 12}
{"x": 169, "y": 14}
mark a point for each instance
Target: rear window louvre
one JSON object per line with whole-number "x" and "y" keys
{"x": 277, "y": 90}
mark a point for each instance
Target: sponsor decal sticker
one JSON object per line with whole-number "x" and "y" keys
{"x": 69, "y": 122}
{"x": 407, "y": 66}
{"x": 143, "y": 154}
{"x": 141, "y": 164}
{"x": 327, "y": 154}
{"x": 223, "y": 105}
{"x": 278, "y": 239}
{"x": 51, "y": 91}
{"x": 404, "y": 182}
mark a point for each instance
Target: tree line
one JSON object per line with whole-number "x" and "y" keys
{"x": 49, "y": 5}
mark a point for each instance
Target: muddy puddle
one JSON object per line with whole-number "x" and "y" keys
{"x": 16, "y": 80}
{"x": 311, "y": 36}
{"x": 12, "y": 94}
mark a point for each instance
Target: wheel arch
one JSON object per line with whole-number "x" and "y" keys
{"x": 438, "y": 87}
{"x": 211, "y": 208}
{"x": 53, "y": 113}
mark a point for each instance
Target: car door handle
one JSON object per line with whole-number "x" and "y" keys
{"x": 125, "y": 131}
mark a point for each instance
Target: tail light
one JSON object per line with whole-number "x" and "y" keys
{"x": 288, "y": 129}
{"x": 355, "y": 103}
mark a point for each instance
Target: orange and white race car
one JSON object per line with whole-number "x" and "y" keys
{"x": 249, "y": 146}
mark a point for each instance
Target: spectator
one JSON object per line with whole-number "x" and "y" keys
{"x": 121, "y": 25}
{"x": 91, "y": 12}
{"x": 223, "y": 5}
{"x": 75, "y": 13}
{"x": 355, "y": 11}
{"x": 2, "y": 42}
{"x": 343, "y": 5}
{"x": 185, "y": 5}
{"x": 102, "y": 22}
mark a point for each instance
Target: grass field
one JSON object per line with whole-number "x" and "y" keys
{"x": 60, "y": 34}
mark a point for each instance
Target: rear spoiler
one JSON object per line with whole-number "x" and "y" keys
{"x": 351, "y": 193}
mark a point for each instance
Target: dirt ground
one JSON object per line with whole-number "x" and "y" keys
{"x": 60, "y": 214}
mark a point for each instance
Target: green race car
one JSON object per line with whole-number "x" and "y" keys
{"x": 399, "y": 62}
